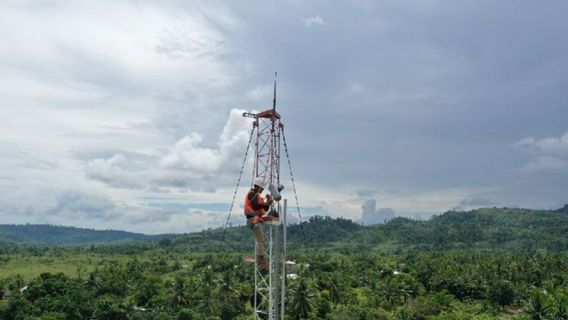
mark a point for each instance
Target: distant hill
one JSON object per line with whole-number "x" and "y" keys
{"x": 49, "y": 235}
{"x": 318, "y": 231}
{"x": 484, "y": 229}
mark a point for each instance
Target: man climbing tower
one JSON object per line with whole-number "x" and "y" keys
{"x": 255, "y": 212}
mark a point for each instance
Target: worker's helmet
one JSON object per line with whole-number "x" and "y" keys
{"x": 259, "y": 182}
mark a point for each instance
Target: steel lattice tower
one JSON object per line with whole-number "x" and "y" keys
{"x": 270, "y": 288}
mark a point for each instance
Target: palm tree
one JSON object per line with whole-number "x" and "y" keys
{"x": 336, "y": 290}
{"x": 301, "y": 300}
{"x": 538, "y": 308}
{"x": 179, "y": 293}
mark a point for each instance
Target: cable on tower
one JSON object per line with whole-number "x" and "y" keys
{"x": 294, "y": 188}
{"x": 237, "y": 187}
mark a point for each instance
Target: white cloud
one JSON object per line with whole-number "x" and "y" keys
{"x": 189, "y": 156}
{"x": 406, "y": 203}
{"x": 119, "y": 43}
{"x": 348, "y": 208}
{"x": 546, "y": 163}
{"x": 115, "y": 172}
{"x": 93, "y": 210}
{"x": 83, "y": 107}
{"x": 550, "y": 146}
{"x": 70, "y": 207}
{"x": 550, "y": 154}
{"x": 187, "y": 164}
{"x": 370, "y": 215}
{"x": 314, "y": 21}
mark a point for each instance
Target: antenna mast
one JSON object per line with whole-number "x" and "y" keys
{"x": 270, "y": 289}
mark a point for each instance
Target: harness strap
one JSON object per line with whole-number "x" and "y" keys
{"x": 254, "y": 214}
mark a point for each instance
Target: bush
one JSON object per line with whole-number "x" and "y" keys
{"x": 188, "y": 314}
{"x": 107, "y": 308}
{"x": 502, "y": 293}
{"x": 423, "y": 308}
{"x": 17, "y": 308}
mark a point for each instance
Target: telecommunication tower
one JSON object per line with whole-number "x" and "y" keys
{"x": 270, "y": 288}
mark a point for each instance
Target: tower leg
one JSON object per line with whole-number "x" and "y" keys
{"x": 269, "y": 294}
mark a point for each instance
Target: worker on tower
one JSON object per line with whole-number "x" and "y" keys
{"x": 255, "y": 212}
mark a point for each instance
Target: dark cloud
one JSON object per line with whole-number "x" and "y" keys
{"x": 395, "y": 95}
{"x": 80, "y": 205}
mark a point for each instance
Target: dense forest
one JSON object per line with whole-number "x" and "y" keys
{"x": 481, "y": 264}
{"x": 489, "y": 228}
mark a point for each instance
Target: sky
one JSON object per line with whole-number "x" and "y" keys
{"x": 127, "y": 114}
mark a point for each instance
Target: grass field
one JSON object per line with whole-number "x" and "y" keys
{"x": 71, "y": 264}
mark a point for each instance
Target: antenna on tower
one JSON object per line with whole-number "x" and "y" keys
{"x": 274, "y": 97}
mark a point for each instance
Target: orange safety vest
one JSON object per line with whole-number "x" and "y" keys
{"x": 249, "y": 211}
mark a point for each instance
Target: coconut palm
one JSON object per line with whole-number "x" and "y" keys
{"x": 301, "y": 300}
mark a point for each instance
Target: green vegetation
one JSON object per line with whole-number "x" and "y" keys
{"x": 484, "y": 229}
{"x": 483, "y": 264}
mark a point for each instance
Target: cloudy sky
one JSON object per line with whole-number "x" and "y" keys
{"x": 127, "y": 114}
